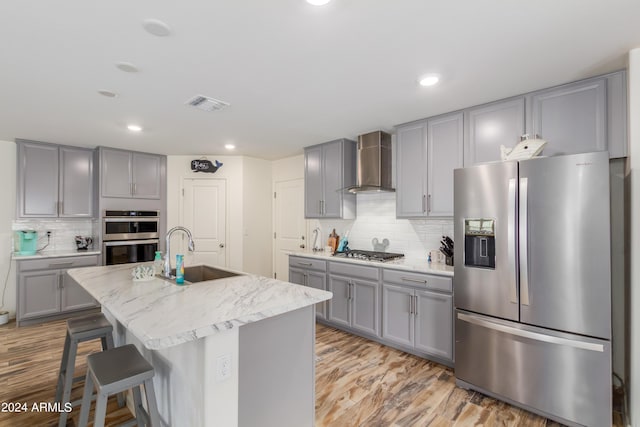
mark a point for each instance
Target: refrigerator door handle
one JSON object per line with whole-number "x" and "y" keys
{"x": 583, "y": 345}
{"x": 523, "y": 235}
{"x": 511, "y": 242}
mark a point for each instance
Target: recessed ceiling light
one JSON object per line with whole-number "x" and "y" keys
{"x": 107, "y": 93}
{"x": 318, "y": 2}
{"x": 127, "y": 67}
{"x": 156, "y": 27}
{"x": 429, "y": 80}
{"x": 134, "y": 128}
{"x": 230, "y": 146}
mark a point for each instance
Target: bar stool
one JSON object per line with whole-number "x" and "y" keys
{"x": 113, "y": 371}
{"x": 80, "y": 329}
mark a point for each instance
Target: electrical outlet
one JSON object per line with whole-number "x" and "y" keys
{"x": 223, "y": 367}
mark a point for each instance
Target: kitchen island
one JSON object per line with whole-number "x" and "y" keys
{"x": 237, "y": 351}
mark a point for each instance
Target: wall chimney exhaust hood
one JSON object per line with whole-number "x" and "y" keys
{"x": 373, "y": 163}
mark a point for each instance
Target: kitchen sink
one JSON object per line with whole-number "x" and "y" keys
{"x": 202, "y": 273}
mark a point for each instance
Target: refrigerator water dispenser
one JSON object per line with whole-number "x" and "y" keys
{"x": 480, "y": 243}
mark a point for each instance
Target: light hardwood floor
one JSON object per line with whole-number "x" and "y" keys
{"x": 358, "y": 383}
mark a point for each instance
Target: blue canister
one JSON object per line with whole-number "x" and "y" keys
{"x": 180, "y": 269}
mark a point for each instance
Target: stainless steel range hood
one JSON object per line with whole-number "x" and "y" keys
{"x": 373, "y": 163}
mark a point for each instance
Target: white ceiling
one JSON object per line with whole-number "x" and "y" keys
{"x": 295, "y": 74}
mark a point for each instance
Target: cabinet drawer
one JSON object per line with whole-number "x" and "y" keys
{"x": 307, "y": 263}
{"x": 428, "y": 281}
{"x": 58, "y": 263}
{"x": 351, "y": 270}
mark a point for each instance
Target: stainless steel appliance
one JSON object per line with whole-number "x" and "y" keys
{"x": 373, "y": 163}
{"x": 369, "y": 255}
{"x": 532, "y": 285}
{"x": 129, "y": 236}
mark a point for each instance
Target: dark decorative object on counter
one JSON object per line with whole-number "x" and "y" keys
{"x": 447, "y": 249}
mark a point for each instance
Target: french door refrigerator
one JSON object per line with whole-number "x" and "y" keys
{"x": 532, "y": 285}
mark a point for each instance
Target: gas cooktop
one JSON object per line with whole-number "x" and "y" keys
{"x": 369, "y": 255}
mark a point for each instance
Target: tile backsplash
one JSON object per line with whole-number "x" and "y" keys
{"x": 63, "y": 232}
{"x": 377, "y": 219}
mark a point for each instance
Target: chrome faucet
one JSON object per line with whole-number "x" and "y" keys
{"x": 167, "y": 256}
{"x": 316, "y": 232}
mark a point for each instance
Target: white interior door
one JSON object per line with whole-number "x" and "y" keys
{"x": 204, "y": 214}
{"x": 289, "y": 224}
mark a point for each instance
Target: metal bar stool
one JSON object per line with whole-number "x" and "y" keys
{"x": 114, "y": 371}
{"x": 80, "y": 329}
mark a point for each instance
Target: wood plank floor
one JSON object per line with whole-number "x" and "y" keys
{"x": 358, "y": 383}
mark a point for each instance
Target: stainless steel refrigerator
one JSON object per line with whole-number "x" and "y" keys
{"x": 532, "y": 285}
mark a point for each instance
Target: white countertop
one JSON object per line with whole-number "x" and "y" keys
{"x": 408, "y": 264}
{"x": 162, "y": 314}
{"x": 55, "y": 254}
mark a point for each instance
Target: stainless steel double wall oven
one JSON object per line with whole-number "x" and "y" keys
{"x": 129, "y": 236}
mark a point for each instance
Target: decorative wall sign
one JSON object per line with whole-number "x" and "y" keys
{"x": 204, "y": 165}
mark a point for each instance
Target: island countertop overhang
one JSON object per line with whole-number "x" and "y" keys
{"x": 162, "y": 314}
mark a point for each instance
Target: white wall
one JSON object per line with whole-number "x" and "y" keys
{"x": 248, "y": 210}
{"x": 288, "y": 168}
{"x": 7, "y": 214}
{"x": 633, "y": 174}
{"x": 257, "y": 206}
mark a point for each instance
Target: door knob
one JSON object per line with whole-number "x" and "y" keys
{"x": 302, "y": 246}
{"x": 221, "y": 245}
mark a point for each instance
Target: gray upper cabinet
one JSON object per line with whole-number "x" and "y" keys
{"x": 492, "y": 125}
{"x": 329, "y": 168}
{"x": 427, "y": 153}
{"x": 127, "y": 174}
{"x": 54, "y": 181}
{"x": 571, "y": 118}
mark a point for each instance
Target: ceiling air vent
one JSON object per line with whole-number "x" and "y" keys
{"x": 207, "y": 104}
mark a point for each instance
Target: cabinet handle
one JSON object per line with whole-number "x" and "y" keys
{"x": 60, "y": 284}
{"x": 423, "y": 203}
{"x": 135, "y": 188}
{"x": 410, "y": 304}
{"x": 429, "y": 203}
{"x": 415, "y": 305}
{"x": 304, "y": 279}
{"x": 409, "y": 279}
{"x": 305, "y": 263}
{"x": 60, "y": 264}
{"x": 350, "y": 288}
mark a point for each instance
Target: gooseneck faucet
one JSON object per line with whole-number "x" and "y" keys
{"x": 167, "y": 256}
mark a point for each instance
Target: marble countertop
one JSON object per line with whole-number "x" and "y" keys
{"x": 162, "y": 314}
{"x": 55, "y": 254}
{"x": 408, "y": 264}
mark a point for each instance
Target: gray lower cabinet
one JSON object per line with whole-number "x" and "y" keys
{"x": 54, "y": 181}
{"x": 328, "y": 169}
{"x": 312, "y": 273}
{"x": 356, "y": 301}
{"x": 44, "y": 289}
{"x": 417, "y": 313}
{"x": 427, "y": 153}
{"x": 127, "y": 174}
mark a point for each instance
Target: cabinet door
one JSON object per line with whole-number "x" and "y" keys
{"x": 115, "y": 173}
{"x": 146, "y": 176}
{"x": 37, "y": 180}
{"x": 339, "y": 309}
{"x": 434, "y": 324}
{"x": 411, "y": 167}
{"x": 318, "y": 281}
{"x": 332, "y": 165}
{"x": 489, "y": 126}
{"x": 397, "y": 319}
{"x": 445, "y": 145}
{"x": 296, "y": 276}
{"x": 366, "y": 306}
{"x": 571, "y": 118}
{"x": 39, "y": 294}
{"x": 313, "y": 182}
{"x": 74, "y": 297}
{"x": 76, "y": 182}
